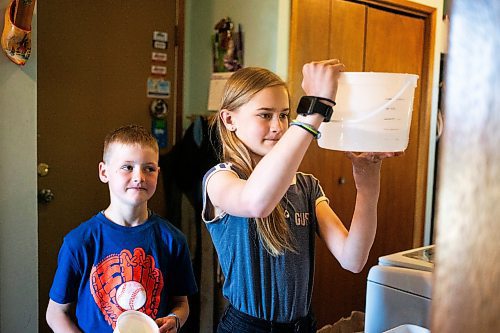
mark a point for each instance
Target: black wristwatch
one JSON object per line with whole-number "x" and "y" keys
{"x": 312, "y": 104}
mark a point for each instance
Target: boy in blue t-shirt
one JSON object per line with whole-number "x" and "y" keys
{"x": 120, "y": 246}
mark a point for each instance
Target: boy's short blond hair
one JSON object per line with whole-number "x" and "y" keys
{"x": 129, "y": 135}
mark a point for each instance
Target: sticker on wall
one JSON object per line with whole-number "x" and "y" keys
{"x": 159, "y": 45}
{"x": 159, "y": 56}
{"x": 160, "y": 40}
{"x": 161, "y": 36}
{"x": 158, "y": 70}
{"x": 158, "y": 108}
{"x": 158, "y": 88}
{"x": 159, "y": 131}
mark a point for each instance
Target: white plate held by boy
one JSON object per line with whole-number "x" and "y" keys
{"x": 132, "y": 321}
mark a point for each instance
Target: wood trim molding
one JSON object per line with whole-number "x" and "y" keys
{"x": 424, "y": 140}
{"x": 179, "y": 65}
{"x": 404, "y": 6}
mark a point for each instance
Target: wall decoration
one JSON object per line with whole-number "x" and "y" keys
{"x": 158, "y": 108}
{"x": 158, "y": 70}
{"x": 158, "y": 87}
{"x": 217, "y": 83}
{"x": 227, "y": 47}
{"x": 159, "y": 56}
{"x": 159, "y": 131}
{"x": 16, "y": 35}
{"x": 160, "y": 40}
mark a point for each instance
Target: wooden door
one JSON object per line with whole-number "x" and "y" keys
{"x": 395, "y": 43}
{"x": 365, "y": 39}
{"x": 94, "y": 59}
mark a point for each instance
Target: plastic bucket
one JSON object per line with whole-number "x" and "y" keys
{"x": 373, "y": 113}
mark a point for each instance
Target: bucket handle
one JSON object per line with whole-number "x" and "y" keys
{"x": 379, "y": 109}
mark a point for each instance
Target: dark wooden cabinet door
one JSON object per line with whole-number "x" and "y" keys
{"x": 395, "y": 43}
{"x": 365, "y": 39}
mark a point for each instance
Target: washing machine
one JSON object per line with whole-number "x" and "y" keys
{"x": 399, "y": 290}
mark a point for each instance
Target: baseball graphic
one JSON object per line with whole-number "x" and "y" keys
{"x": 131, "y": 295}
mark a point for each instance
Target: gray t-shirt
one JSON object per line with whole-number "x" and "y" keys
{"x": 256, "y": 283}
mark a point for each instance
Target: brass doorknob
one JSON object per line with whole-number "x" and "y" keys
{"x": 45, "y": 195}
{"x": 42, "y": 169}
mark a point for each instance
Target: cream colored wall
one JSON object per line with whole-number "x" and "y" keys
{"x": 265, "y": 26}
{"x": 18, "y": 206}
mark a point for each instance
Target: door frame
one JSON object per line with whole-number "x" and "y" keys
{"x": 179, "y": 65}
{"x": 429, "y": 15}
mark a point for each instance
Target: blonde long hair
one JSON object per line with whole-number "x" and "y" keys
{"x": 273, "y": 230}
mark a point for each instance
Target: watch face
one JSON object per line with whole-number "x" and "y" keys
{"x": 305, "y": 104}
{"x": 311, "y": 105}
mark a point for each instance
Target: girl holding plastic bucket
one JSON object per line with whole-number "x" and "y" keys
{"x": 263, "y": 215}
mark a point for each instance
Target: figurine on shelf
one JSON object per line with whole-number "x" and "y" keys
{"x": 227, "y": 47}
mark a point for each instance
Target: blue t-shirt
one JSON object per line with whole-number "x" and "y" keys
{"x": 272, "y": 288}
{"x": 98, "y": 256}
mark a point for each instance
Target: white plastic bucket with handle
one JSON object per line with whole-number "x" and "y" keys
{"x": 373, "y": 113}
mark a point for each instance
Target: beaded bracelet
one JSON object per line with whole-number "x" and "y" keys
{"x": 315, "y": 133}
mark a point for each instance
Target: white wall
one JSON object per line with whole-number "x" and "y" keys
{"x": 18, "y": 205}
{"x": 265, "y": 25}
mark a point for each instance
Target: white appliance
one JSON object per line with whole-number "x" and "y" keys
{"x": 399, "y": 290}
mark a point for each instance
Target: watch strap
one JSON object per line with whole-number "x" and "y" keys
{"x": 332, "y": 102}
{"x": 312, "y": 104}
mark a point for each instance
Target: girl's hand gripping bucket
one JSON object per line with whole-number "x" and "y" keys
{"x": 373, "y": 113}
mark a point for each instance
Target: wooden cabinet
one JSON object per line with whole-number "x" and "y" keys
{"x": 366, "y": 36}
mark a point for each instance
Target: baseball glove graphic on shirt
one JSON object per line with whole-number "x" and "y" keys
{"x": 116, "y": 269}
